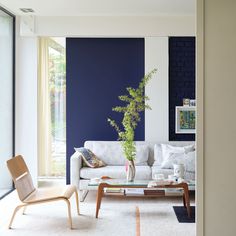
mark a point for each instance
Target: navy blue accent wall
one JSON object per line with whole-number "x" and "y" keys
{"x": 97, "y": 71}
{"x": 181, "y": 79}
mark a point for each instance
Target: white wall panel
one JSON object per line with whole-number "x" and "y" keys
{"x": 26, "y": 102}
{"x": 156, "y": 120}
{"x": 115, "y": 26}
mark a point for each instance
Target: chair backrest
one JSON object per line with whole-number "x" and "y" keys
{"x": 21, "y": 177}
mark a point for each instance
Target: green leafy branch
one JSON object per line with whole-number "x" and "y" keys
{"x": 135, "y": 104}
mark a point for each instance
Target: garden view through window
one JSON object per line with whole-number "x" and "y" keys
{"x": 57, "y": 89}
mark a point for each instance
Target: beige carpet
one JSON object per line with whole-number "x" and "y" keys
{"x": 152, "y": 217}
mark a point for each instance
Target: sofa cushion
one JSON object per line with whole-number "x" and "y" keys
{"x": 166, "y": 172}
{"x": 118, "y": 172}
{"x": 171, "y": 159}
{"x": 170, "y": 152}
{"x": 161, "y": 151}
{"x": 89, "y": 158}
{"x": 188, "y": 159}
{"x": 142, "y": 153}
{"x": 112, "y": 154}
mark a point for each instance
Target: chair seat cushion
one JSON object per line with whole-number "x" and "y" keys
{"x": 89, "y": 158}
{"x": 117, "y": 172}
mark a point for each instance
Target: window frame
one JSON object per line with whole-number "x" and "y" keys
{"x": 13, "y": 86}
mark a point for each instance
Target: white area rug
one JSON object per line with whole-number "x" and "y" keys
{"x": 117, "y": 216}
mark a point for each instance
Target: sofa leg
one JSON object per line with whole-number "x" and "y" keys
{"x": 83, "y": 195}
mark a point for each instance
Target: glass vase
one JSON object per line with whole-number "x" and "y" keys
{"x": 130, "y": 171}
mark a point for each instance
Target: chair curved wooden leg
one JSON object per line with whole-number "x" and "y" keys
{"x": 13, "y": 215}
{"x": 77, "y": 201}
{"x": 69, "y": 212}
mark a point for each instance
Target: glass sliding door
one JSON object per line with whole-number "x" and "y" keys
{"x": 6, "y": 98}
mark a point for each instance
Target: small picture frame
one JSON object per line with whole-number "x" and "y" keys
{"x": 192, "y": 102}
{"x": 185, "y": 118}
{"x": 186, "y": 102}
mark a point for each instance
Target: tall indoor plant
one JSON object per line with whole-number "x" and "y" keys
{"x": 135, "y": 104}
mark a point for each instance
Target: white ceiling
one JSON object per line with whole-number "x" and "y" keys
{"x": 102, "y": 7}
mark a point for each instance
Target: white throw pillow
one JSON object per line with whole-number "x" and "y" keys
{"x": 189, "y": 148}
{"x": 110, "y": 153}
{"x": 190, "y": 161}
{"x": 142, "y": 153}
{"x": 168, "y": 151}
{"x": 173, "y": 158}
{"x": 159, "y": 156}
{"x": 169, "y": 154}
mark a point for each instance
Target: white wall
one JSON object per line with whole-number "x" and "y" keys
{"x": 219, "y": 137}
{"x": 156, "y": 120}
{"x": 26, "y": 101}
{"x": 115, "y": 26}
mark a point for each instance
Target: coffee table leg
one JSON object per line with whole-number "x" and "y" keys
{"x": 187, "y": 200}
{"x": 184, "y": 202}
{"x": 99, "y": 198}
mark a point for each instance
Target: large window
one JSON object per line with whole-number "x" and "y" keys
{"x": 57, "y": 86}
{"x": 52, "y": 108}
{"x": 6, "y": 98}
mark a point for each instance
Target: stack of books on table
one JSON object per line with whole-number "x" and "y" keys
{"x": 154, "y": 192}
{"x": 156, "y": 183}
{"x": 191, "y": 184}
{"x": 134, "y": 191}
{"x": 173, "y": 192}
{"x": 115, "y": 191}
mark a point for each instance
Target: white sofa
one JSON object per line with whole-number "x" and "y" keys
{"x": 148, "y": 162}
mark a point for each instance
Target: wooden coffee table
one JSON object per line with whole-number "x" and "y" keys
{"x": 117, "y": 183}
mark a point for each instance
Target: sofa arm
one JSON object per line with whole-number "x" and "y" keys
{"x": 75, "y": 166}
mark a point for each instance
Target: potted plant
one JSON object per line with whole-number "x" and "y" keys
{"x": 135, "y": 104}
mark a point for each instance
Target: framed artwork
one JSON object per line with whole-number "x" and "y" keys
{"x": 185, "y": 118}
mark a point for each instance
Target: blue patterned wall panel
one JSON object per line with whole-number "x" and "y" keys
{"x": 98, "y": 70}
{"x": 181, "y": 79}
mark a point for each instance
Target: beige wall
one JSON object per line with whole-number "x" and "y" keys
{"x": 219, "y": 116}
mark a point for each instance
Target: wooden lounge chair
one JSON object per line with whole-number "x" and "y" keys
{"x": 29, "y": 195}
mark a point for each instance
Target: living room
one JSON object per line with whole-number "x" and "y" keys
{"x": 69, "y": 65}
